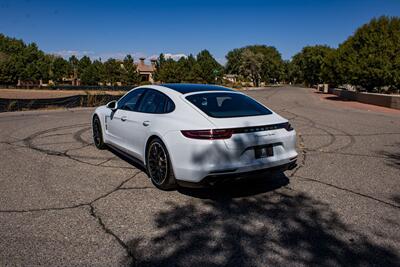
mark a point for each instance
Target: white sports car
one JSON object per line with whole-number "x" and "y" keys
{"x": 193, "y": 134}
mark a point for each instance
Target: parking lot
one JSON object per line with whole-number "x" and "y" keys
{"x": 64, "y": 203}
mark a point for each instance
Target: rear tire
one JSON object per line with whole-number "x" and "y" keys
{"x": 97, "y": 133}
{"x": 158, "y": 165}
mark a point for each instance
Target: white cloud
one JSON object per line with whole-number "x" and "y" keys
{"x": 94, "y": 55}
{"x": 174, "y": 56}
{"x": 68, "y": 53}
{"x": 117, "y": 55}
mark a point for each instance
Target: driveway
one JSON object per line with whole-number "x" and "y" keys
{"x": 64, "y": 203}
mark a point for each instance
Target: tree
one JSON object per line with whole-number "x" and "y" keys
{"x": 207, "y": 69}
{"x": 268, "y": 57}
{"x": 74, "y": 65}
{"x": 330, "y": 72}
{"x": 159, "y": 64}
{"x": 234, "y": 61}
{"x": 171, "y": 71}
{"x": 251, "y": 66}
{"x": 371, "y": 57}
{"x": 309, "y": 64}
{"x": 168, "y": 71}
{"x": 112, "y": 71}
{"x": 91, "y": 75}
{"x": 189, "y": 65}
{"x": 129, "y": 73}
{"x": 59, "y": 69}
{"x": 83, "y": 63}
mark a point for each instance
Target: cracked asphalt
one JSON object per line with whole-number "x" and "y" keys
{"x": 64, "y": 203}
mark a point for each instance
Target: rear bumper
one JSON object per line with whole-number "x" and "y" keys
{"x": 213, "y": 179}
{"x": 195, "y": 160}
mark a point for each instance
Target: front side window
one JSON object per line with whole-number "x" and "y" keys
{"x": 129, "y": 102}
{"x": 227, "y": 105}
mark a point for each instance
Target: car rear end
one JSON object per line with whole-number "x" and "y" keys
{"x": 243, "y": 137}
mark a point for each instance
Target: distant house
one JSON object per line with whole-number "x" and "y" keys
{"x": 71, "y": 81}
{"x": 146, "y": 71}
{"x": 231, "y": 78}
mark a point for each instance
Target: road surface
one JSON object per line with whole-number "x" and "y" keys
{"x": 64, "y": 203}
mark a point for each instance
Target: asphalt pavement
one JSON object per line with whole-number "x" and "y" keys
{"x": 65, "y": 203}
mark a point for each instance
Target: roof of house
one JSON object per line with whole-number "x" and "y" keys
{"x": 145, "y": 68}
{"x": 185, "y": 88}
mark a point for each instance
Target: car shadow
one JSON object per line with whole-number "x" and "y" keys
{"x": 246, "y": 186}
{"x": 254, "y": 223}
{"x": 257, "y": 222}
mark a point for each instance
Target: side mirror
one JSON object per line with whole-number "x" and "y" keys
{"x": 112, "y": 105}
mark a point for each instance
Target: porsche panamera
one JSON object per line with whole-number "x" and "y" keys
{"x": 194, "y": 134}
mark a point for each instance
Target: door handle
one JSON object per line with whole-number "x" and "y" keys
{"x": 146, "y": 123}
{"x": 123, "y": 118}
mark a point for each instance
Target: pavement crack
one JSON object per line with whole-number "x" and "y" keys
{"x": 315, "y": 151}
{"x": 137, "y": 188}
{"x": 45, "y": 209}
{"x": 92, "y": 212}
{"x": 304, "y": 156}
{"x": 111, "y": 233}
{"x": 119, "y": 187}
{"x": 349, "y": 191}
{"x": 115, "y": 189}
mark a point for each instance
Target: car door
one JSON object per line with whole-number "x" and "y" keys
{"x": 123, "y": 123}
{"x": 151, "y": 106}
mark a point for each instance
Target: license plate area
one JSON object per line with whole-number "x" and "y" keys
{"x": 264, "y": 151}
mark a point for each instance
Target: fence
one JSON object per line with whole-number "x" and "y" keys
{"x": 72, "y": 87}
{"x": 66, "y": 102}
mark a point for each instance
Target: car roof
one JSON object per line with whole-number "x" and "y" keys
{"x": 185, "y": 88}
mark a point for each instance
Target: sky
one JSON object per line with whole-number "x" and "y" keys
{"x": 147, "y": 28}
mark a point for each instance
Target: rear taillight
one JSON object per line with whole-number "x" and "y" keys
{"x": 208, "y": 134}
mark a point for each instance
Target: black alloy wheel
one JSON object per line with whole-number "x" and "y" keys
{"x": 159, "y": 167}
{"x": 97, "y": 133}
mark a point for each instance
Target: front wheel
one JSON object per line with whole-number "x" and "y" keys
{"x": 98, "y": 133}
{"x": 159, "y": 165}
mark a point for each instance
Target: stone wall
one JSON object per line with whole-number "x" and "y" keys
{"x": 389, "y": 101}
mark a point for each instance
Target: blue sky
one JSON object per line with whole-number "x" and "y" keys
{"x": 145, "y": 28}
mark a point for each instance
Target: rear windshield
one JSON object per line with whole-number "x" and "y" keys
{"x": 227, "y": 105}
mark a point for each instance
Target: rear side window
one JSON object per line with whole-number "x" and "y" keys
{"x": 155, "y": 102}
{"x": 227, "y": 105}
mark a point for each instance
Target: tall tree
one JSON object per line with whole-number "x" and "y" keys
{"x": 234, "y": 61}
{"x": 207, "y": 69}
{"x": 371, "y": 57}
{"x": 251, "y": 66}
{"x": 74, "y": 66}
{"x": 310, "y": 62}
{"x": 113, "y": 71}
{"x": 269, "y": 59}
{"x": 130, "y": 74}
{"x": 91, "y": 75}
{"x": 83, "y": 63}
{"x": 59, "y": 69}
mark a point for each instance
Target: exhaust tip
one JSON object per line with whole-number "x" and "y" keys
{"x": 292, "y": 166}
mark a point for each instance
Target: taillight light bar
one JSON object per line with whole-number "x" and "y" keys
{"x": 252, "y": 129}
{"x": 212, "y": 134}
{"x": 208, "y": 134}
